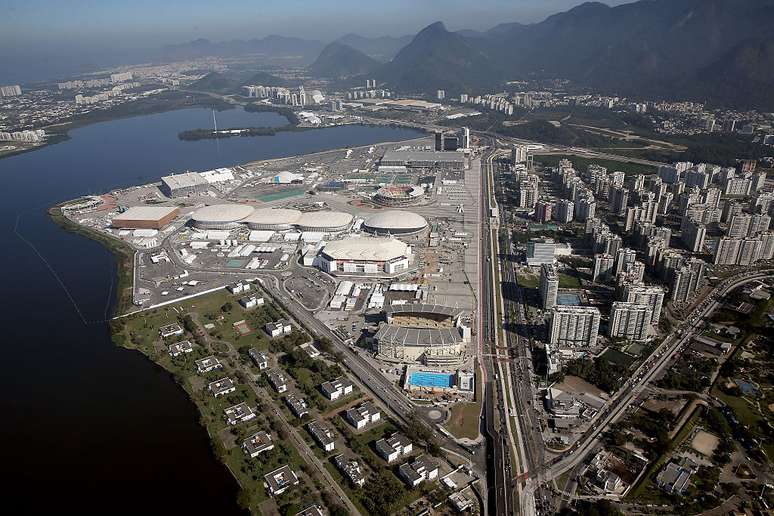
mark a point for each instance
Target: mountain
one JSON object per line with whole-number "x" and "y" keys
{"x": 648, "y": 48}
{"x": 381, "y": 48}
{"x": 710, "y": 50}
{"x": 273, "y": 46}
{"x": 266, "y": 79}
{"x": 216, "y": 83}
{"x": 439, "y": 59}
{"x": 231, "y": 82}
{"x": 340, "y": 60}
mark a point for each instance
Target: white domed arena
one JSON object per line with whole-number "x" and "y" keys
{"x": 395, "y": 222}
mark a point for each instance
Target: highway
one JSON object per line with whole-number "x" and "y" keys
{"x": 520, "y": 370}
{"x": 498, "y": 435}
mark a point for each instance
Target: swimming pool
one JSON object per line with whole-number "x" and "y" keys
{"x": 430, "y": 379}
{"x": 568, "y": 299}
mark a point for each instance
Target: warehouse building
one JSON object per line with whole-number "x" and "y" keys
{"x": 180, "y": 185}
{"x": 365, "y": 256}
{"x": 146, "y": 217}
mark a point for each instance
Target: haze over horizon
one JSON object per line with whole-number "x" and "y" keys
{"x": 64, "y": 37}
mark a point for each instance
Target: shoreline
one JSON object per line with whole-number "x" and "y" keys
{"x": 122, "y": 253}
{"x": 60, "y": 132}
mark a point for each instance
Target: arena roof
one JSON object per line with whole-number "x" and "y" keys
{"x": 421, "y": 308}
{"x": 222, "y": 213}
{"x": 396, "y": 220}
{"x": 146, "y": 213}
{"x": 366, "y": 249}
{"x": 324, "y": 219}
{"x": 400, "y": 335}
{"x": 273, "y": 216}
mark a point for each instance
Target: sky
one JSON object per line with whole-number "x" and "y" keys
{"x": 31, "y": 24}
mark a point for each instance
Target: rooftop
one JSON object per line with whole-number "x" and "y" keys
{"x": 366, "y": 249}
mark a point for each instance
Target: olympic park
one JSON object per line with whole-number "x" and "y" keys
{"x": 377, "y": 251}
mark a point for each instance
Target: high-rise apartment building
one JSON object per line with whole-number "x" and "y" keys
{"x": 549, "y": 285}
{"x": 630, "y": 321}
{"x": 574, "y": 326}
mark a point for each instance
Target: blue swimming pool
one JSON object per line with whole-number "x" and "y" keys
{"x": 430, "y": 379}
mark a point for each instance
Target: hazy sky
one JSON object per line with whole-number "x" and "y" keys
{"x": 144, "y": 23}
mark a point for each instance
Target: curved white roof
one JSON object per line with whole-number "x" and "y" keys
{"x": 395, "y": 220}
{"x": 270, "y": 216}
{"x": 366, "y": 249}
{"x": 324, "y": 219}
{"x": 222, "y": 213}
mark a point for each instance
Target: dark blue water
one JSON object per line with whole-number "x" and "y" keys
{"x": 87, "y": 427}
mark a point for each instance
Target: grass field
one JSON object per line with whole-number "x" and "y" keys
{"x": 464, "y": 420}
{"x": 568, "y": 281}
{"x": 527, "y": 280}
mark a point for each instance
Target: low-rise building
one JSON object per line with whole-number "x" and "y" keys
{"x": 312, "y": 510}
{"x": 257, "y": 443}
{"x": 394, "y": 447}
{"x": 259, "y": 358}
{"x": 414, "y": 473}
{"x": 178, "y": 348}
{"x": 351, "y": 469}
{"x": 251, "y": 302}
{"x": 222, "y": 387}
{"x": 208, "y": 364}
{"x": 239, "y": 287}
{"x": 279, "y": 328}
{"x": 277, "y": 380}
{"x": 337, "y": 388}
{"x": 297, "y": 405}
{"x": 363, "y": 415}
{"x": 310, "y": 350}
{"x": 675, "y": 477}
{"x": 239, "y": 414}
{"x": 279, "y": 480}
{"x": 323, "y": 435}
{"x": 170, "y": 330}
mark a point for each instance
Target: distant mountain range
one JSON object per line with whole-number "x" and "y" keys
{"x": 340, "y": 60}
{"x": 270, "y": 46}
{"x": 382, "y": 48}
{"x": 716, "y": 50}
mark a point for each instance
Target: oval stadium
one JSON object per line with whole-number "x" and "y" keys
{"x": 399, "y": 195}
{"x": 430, "y": 334}
{"x": 272, "y": 218}
{"x": 394, "y": 222}
{"x": 220, "y": 216}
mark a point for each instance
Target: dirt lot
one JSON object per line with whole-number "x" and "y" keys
{"x": 705, "y": 443}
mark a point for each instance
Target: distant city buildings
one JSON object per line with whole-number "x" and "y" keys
{"x": 10, "y": 91}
